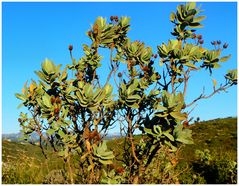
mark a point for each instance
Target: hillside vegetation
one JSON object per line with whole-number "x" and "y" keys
{"x": 211, "y": 159}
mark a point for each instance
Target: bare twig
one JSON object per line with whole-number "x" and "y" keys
{"x": 192, "y": 109}
{"x": 203, "y": 96}
{"x": 39, "y": 133}
{"x": 186, "y": 77}
{"x": 112, "y": 67}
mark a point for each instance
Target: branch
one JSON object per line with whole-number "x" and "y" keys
{"x": 112, "y": 67}
{"x": 186, "y": 77}
{"x": 165, "y": 87}
{"x": 39, "y": 133}
{"x": 203, "y": 96}
{"x": 130, "y": 135}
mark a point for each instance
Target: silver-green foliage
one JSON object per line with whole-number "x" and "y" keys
{"x": 73, "y": 114}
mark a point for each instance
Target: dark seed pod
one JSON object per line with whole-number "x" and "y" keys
{"x": 158, "y": 76}
{"x": 145, "y": 68}
{"x": 151, "y": 63}
{"x": 89, "y": 33}
{"x": 53, "y": 100}
{"x": 180, "y": 80}
{"x": 119, "y": 74}
{"x": 56, "y": 110}
{"x": 155, "y": 56}
{"x": 19, "y": 120}
{"x": 201, "y": 41}
{"x": 219, "y": 42}
{"x": 72, "y": 108}
{"x": 185, "y": 124}
{"x": 225, "y": 45}
{"x": 181, "y": 67}
{"x": 213, "y": 42}
{"x": 74, "y": 119}
{"x": 199, "y": 36}
{"x": 70, "y": 47}
{"x": 194, "y": 36}
{"x": 111, "y": 18}
{"x": 58, "y": 100}
{"x": 158, "y": 99}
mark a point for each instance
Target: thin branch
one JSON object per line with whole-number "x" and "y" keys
{"x": 39, "y": 133}
{"x": 164, "y": 78}
{"x": 130, "y": 135}
{"x": 112, "y": 67}
{"x": 192, "y": 109}
{"x": 186, "y": 77}
{"x": 203, "y": 96}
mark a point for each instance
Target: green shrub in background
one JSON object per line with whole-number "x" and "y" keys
{"x": 216, "y": 169}
{"x": 74, "y": 114}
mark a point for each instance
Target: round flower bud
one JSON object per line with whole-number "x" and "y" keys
{"x": 201, "y": 41}
{"x": 70, "y": 47}
{"x": 199, "y": 36}
{"x": 111, "y": 18}
{"x": 119, "y": 74}
{"x": 225, "y": 45}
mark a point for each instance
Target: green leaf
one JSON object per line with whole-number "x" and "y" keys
{"x": 41, "y": 75}
{"x": 135, "y": 105}
{"x": 178, "y": 115}
{"x": 172, "y": 16}
{"x": 70, "y": 89}
{"x": 198, "y": 19}
{"x": 225, "y": 58}
{"x": 20, "y": 105}
{"x": 105, "y": 162}
{"x": 195, "y": 25}
{"x": 148, "y": 131}
{"x": 173, "y": 43}
{"x": 20, "y": 96}
{"x": 134, "y": 97}
{"x": 61, "y": 153}
{"x": 46, "y": 100}
{"x": 108, "y": 90}
{"x": 169, "y": 136}
{"x": 61, "y": 133}
{"x": 191, "y": 5}
{"x": 48, "y": 67}
{"x": 161, "y": 114}
{"x": 232, "y": 75}
{"x": 173, "y": 148}
{"x": 190, "y": 65}
{"x": 157, "y": 129}
{"x": 216, "y": 65}
{"x": 50, "y": 131}
{"x": 183, "y": 135}
{"x": 160, "y": 107}
{"x": 214, "y": 83}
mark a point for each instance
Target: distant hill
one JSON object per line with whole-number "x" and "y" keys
{"x": 16, "y": 137}
{"x": 218, "y": 135}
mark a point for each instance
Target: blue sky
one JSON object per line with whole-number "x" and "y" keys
{"x": 33, "y": 31}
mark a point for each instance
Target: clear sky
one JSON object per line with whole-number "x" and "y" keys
{"x": 33, "y": 31}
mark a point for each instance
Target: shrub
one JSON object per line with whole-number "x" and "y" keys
{"x": 214, "y": 169}
{"x": 73, "y": 115}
